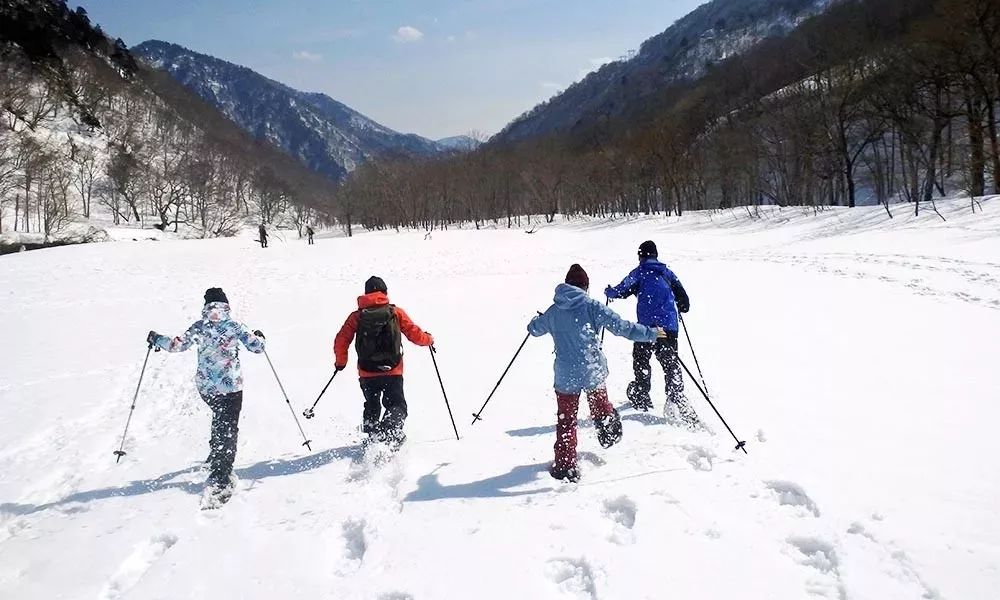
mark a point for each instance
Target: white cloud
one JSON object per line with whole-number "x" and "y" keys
{"x": 450, "y": 39}
{"x": 407, "y": 34}
{"x": 307, "y": 56}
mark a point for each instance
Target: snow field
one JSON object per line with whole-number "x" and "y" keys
{"x": 854, "y": 354}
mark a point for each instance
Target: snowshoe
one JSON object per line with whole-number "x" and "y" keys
{"x": 609, "y": 430}
{"x": 395, "y": 441}
{"x": 571, "y": 474}
{"x": 679, "y": 413}
{"x": 217, "y": 494}
{"x": 640, "y": 400}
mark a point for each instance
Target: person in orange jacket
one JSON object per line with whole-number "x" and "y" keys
{"x": 377, "y": 328}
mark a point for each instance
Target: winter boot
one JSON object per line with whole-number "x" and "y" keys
{"x": 395, "y": 441}
{"x": 640, "y": 400}
{"x": 609, "y": 429}
{"x": 218, "y": 493}
{"x": 682, "y": 414}
{"x": 571, "y": 474}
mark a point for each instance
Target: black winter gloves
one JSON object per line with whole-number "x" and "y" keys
{"x": 259, "y": 333}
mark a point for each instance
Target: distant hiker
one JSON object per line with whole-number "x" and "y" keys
{"x": 262, "y": 233}
{"x": 378, "y": 327}
{"x": 310, "y": 233}
{"x": 219, "y": 379}
{"x": 574, "y": 321}
{"x": 660, "y": 295}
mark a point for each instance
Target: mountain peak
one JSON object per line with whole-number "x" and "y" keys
{"x": 328, "y": 136}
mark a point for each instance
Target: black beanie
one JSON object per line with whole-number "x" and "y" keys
{"x": 375, "y": 284}
{"x": 215, "y": 295}
{"x": 578, "y": 277}
{"x": 647, "y": 249}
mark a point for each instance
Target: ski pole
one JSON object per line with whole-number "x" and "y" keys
{"x": 289, "y": 402}
{"x": 308, "y": 413}
{"x": 120, "y": 452}
{"x": 443, "y": 393}
{"x": 691, "y": 346}
{"x": 740, "y": 445}
{"x": 475, "y": 416}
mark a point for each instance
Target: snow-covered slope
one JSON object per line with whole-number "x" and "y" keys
{"x": 459, "y": 143}
{"x": 326, "y": 135}
{"x": 711, "y": 33}
{"x": 854, "y": 353}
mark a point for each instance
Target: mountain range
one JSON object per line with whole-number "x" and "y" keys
{"x": 326, "y": 135}
{"x": 684, "y": 52}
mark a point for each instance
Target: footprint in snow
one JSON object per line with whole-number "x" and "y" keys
{"x": 820, "y": 555}
{"x": 574, "y": 577}
{"x": 622, "y": 512}
{"x": 355, "y": 540}
{"x": 789, "y": 493}
{"x": 395, "y": 596}
{"x": 699, "y": 457}
{"x": 135, "y": 566}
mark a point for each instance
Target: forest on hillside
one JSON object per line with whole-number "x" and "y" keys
{"x": 872, "y": 101}
{"x": 85, "y": 126}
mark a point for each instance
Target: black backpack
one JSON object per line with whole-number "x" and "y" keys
{"x": 378, "y": 341}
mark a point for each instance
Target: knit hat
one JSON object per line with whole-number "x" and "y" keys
{"x": 215, "y": 295}
{"x": 647, "y": 249}
{"x": 375, "y": 284}
{"x": 578, "y": 277}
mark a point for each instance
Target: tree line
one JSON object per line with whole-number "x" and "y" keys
{"x": 873, "y": 101}
{"x": 84, "y": 125}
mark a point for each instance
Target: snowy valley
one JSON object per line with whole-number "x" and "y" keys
{"x": 854, "y": 354}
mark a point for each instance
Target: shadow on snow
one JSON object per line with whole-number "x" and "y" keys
{"x": 429, "y": 487}
{"x": 641, "y": 418}
{"x": 260, "y": 470}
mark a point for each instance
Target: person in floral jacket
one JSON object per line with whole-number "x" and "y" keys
{"x": 219, "y": 377}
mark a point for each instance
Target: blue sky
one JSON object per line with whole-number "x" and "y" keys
{"x": 429, "y": 67}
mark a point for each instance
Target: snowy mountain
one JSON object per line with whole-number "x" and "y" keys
{"x": 711, "y": 33}
{"x": 327, "y": 136}
{"x": 92, "y": 139}
{"x": 459, "y": 143}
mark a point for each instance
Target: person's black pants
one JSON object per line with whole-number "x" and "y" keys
{"x": 225, "y": 431}
{"x": 665, "y": 350}
{"x": 384, "y": 391}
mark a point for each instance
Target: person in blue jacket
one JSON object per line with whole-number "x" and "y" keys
{"x": 660, "y": 295}
{"x": 575, "y": 321}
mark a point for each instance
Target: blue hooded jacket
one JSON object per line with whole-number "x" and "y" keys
{"x": 657, "y": 290}
{"x": 575, "y": 322}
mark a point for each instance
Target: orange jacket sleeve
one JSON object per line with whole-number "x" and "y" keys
{"x": 413, "y": 333}
{"x": 342, "y": 342}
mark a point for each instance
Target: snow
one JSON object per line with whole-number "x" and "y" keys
{"x": 854, "y": 353}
